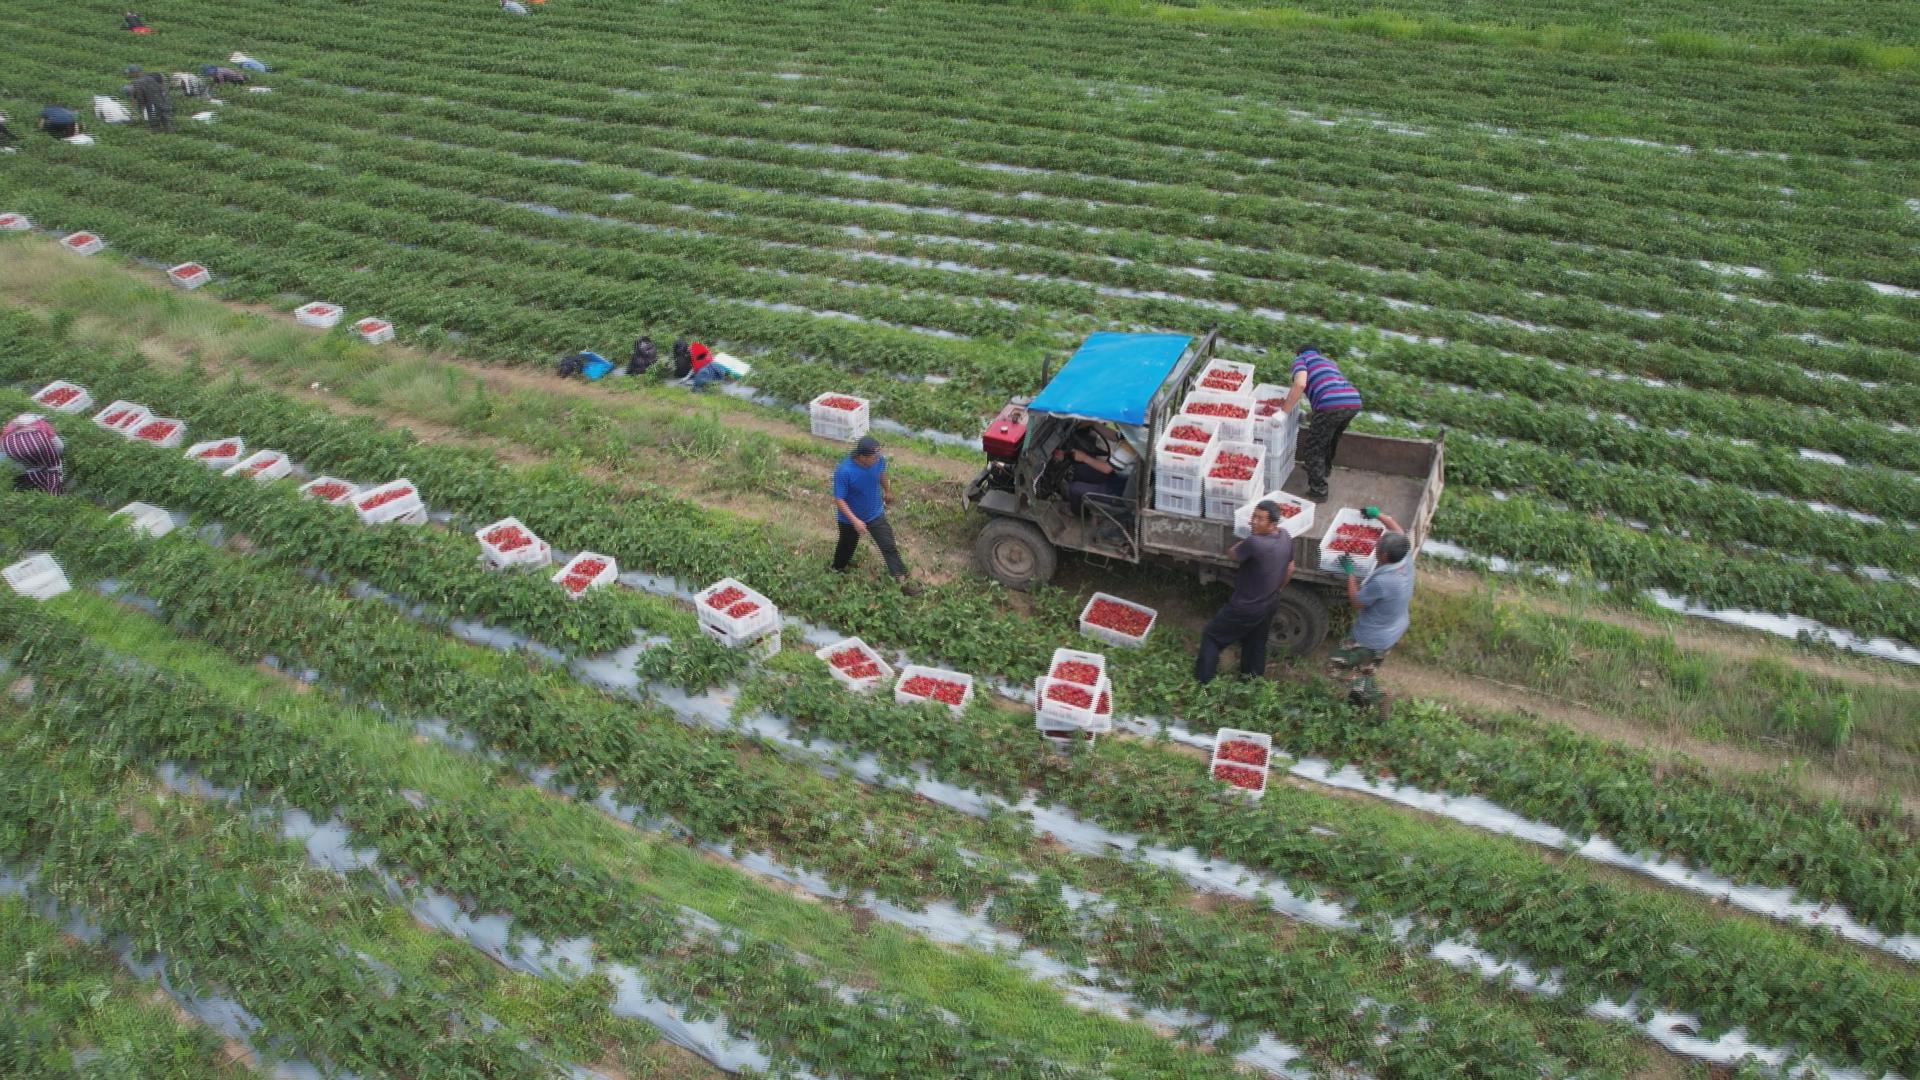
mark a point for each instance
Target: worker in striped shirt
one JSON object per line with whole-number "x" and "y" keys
{"x": 1334, "y": 402}
{"x": 30, "y": 443}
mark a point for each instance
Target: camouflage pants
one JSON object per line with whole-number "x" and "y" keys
{"x": 1354, "y": 666}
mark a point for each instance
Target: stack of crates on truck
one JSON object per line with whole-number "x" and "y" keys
{"x": 1235, "y": 474}
{"x": 738, "y": 617}
{"x": 1180, "y": 463}
{"x": 1278, "y": 431}
{"x": 1296, "y": 514}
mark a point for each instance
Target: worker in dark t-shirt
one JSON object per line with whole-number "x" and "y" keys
{"x": 1266, "y": 565}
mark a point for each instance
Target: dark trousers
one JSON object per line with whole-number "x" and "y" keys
{"x": 882, "y": 533}
{"x": 1233, "y": 625}
{"x": 1323, "y": 441}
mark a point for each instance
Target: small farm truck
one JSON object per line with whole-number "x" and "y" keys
{"x": 1134, "y": 383}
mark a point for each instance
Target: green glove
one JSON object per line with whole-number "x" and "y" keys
{"x": 1370, "y": 513}
{"x": 1346, "y": 565}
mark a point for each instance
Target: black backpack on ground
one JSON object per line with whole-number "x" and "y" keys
{"x": 644, "y": 355}
{"x": 682, "y": 358}
{"x": 570, "y": 365}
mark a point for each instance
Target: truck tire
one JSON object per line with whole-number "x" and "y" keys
{"x": 1015, "y": 553}
{"x": 1299, "y": 622}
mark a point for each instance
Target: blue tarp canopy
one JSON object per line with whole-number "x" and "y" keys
{"x": 1112, "y": 377}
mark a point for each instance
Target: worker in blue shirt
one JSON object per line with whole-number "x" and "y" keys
{"x": 1381, "y": 601}
{"x": 861, "y": 495}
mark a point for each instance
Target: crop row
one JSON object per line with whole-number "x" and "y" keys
{"x": 1318, "y": 981}
{"x": 1769, "y": 359}
{"x": 1858, "y": 440}
{"x": 1355, "y": 864}
{"x": 826, "y": 708}
{"x": 508, "y": 852}
{"x": 1181, "y": 73}
{"x": 1691, "y": 570}
{"x": 224, "y": 908}
{"x": 1819, "y": 350}
{"x": 965, "y": 627}
{"x": 69, "y": 1005}
{"x": 753, "y": 136}
{"x": 546, "y": 90}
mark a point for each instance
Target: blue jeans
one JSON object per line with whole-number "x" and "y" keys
{"x": 712, "y": 373}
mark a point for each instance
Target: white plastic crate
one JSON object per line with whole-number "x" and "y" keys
{"x": 1226, "y": 377}
{"x": 146, "y": 518}
{"x": 1176, "y": 465}
{"x": 1219, "y": 509}
{"x": 1115, "y": 635}
{"x": 587, "y": 571}
{"x": 754, "y": 643}
{"x": 1071, "y": 703}
{"x": 82, "y": 243}
{"x": 508, "y": 542}
{"x": 832, "y": 417}
{"x": 319, "y": 315}
{"x": 393, "y": 501}
{"x": 164, "y": 432}
{"x": 189, "y": 275}
{"x": 1239, "y": 491}
{"x": 1221, "y": 768}
{"x": 1226, "y": 769}
{"x": 732, "y": 617}
{"x": 122, "y": 416}
{"x": 1256, "y": 739}
{"x": 1349, "y": 518}
{"x": 1233, "y": 413}
{"x": 904, "y": 696}
{"x": 1075, "y": 656}
{"x": 218, "y": 453}
{"x": 37, "y": 577}
{"x": 374, "y": 331}
{"x": 64, "y": 397}
{"x": 329, "y": 489}
{"x": 1266, "y": 399}
{"x": 14, "y": 223}
{"x": 1279, "y": 465}
{"x": 1192, "y": 429}
{"x": 1278, "y": 430}
{"x": 766, "y": 646}
{"x": 1294, "y": 524}
{"x": 262, "y": 465}
{"x": 1174, "y": 502}
{"x": 858, "y": 684}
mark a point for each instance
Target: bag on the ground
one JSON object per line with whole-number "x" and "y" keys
{"x": 110, "y": 111}
{"x": 644, "y": 356}
{"x": 570, "y": 365}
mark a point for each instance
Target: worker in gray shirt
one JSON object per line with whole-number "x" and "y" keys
{"x": 1381, "y": 598}
{"x": 1266, "y": 565}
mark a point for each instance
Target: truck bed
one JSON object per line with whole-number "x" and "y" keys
{"x": 1402, "y": 477}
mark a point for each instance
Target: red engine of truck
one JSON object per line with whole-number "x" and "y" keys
{"x": 1005, "y": 432}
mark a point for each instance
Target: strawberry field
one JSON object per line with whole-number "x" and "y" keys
{"x": 391, "y": 756}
